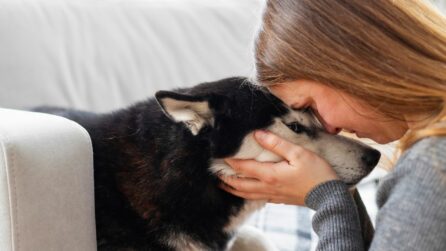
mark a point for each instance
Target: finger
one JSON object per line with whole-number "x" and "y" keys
{"x": 246, "y": 184}
{"x": 245, "y": 195}
{"x": 257, "y": 196}
{"x": 263, "y": 171}
{"x": 279, "y": 146}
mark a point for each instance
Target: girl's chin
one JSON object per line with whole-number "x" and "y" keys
{"x": 362, "y": 135}
{"x": 381, "y": 140}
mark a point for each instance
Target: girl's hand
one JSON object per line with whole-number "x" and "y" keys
{"x": 288, "y": 181}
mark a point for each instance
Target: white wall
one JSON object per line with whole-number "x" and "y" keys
{"x": 441, "y": 4}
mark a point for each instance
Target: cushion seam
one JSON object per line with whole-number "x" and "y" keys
{"x": 9, "y": 154}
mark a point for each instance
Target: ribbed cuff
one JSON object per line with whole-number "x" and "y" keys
{"x": 336, "y": 219}
{"x": 333, "y": 191}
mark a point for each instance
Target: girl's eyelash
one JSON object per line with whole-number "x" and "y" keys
{"x": 302, "y": 108}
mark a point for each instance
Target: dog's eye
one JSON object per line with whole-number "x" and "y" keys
{"x": 296, "y": 127}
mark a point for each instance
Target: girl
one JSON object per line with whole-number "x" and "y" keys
{"x": 373, "y": 68}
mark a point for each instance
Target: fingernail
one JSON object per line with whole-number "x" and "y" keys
{"x": 261, "y": 134}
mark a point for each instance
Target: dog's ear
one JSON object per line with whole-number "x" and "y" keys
{"x": 193, "y": 111}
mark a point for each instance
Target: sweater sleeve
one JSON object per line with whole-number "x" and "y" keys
{"x": 336, "y": 220}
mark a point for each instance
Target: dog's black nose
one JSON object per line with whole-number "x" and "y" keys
{"x": 371, "y": 158}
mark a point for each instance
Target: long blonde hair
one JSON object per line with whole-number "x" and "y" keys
{"x": 389, "y": 53}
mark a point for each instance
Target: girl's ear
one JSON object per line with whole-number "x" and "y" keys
{"x": 193, "y": 111}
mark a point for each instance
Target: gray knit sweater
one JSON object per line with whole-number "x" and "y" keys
{"x": 412, "y": 202}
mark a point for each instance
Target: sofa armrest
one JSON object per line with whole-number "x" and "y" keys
{"x": 46, "y": 183}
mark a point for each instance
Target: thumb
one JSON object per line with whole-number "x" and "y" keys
{"x": 278, "y": 145}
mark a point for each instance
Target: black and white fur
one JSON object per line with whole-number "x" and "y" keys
{"x": 156, "y": 162}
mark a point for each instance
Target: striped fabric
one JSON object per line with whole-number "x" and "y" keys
{"x": 289, "y": 227}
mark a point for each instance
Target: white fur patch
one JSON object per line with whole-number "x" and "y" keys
{"x": 182, "y": 242}
{"x": 249, "y": 208}
{"x": 250, "y": 238}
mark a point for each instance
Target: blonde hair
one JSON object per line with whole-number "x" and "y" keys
{"x": 389, "y": 53}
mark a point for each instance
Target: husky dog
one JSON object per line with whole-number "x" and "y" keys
{"x": 156, "y": 162}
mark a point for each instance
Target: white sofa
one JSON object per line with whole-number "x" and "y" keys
{"x": 97, "y": 55}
